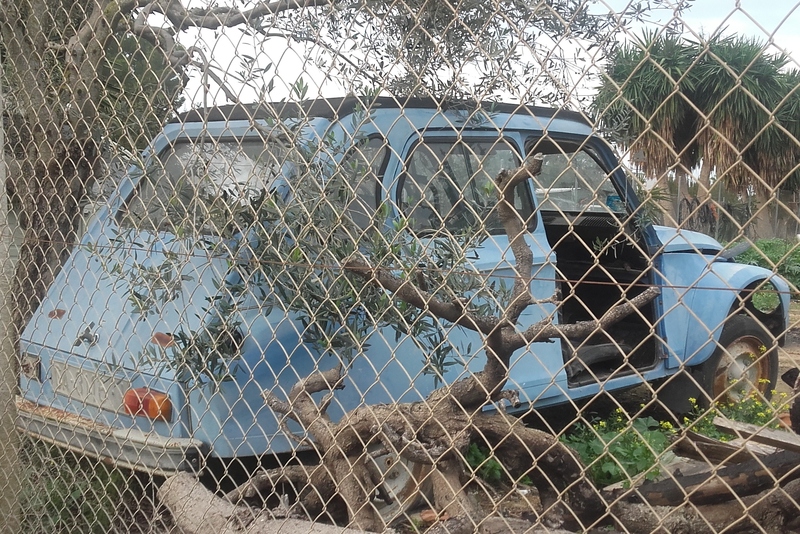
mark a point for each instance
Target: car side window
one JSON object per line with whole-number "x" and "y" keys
{"x": 450, "y": 185}
{"x": 364, "y": 165}
{"x": 573, "y": 181}
{"x": 190, "y": 186}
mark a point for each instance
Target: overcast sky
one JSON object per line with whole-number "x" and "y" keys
{"x": 774, "y": 21}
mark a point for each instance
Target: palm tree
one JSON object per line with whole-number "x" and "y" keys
{"x": 643, "y": 100}
{"x": 721, "y": 103}
{"x": 737, "y": 88}
{"x": 787, "y": 127}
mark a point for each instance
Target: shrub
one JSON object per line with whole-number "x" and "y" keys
{"x": 776, "y": 255}
{"x": 617, "y": 449}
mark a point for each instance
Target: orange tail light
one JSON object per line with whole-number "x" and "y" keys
{"x": 146, "y": 402}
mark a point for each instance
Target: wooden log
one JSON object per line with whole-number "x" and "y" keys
{"x": 700, "y": 447}
{"x": 768, "y": 436}
{"x": 746, "y": 478}
{"x": 774, "y": 511}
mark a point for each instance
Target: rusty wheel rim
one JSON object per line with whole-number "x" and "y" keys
{"x": 743, "y": 370}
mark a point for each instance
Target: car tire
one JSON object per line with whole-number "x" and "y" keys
{"x": 745, "y": 362}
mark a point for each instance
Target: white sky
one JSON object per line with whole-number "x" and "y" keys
{"x": 775, "y": 21}
{"x": 772, "y": 21}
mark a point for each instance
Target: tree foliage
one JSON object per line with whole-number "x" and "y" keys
{"x": 57, "y": 56}
{"x": 723, "y": 102}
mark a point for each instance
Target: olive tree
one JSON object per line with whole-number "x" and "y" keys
{"x": 71, "y": 70}
{"x": 298, "y": 248}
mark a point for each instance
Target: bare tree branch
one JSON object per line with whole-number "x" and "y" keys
{"x": 408, "y": 292}
{"x": 296, "y": 475}
{"x": 547, "y": 330}
{"x": 506, "y": 182}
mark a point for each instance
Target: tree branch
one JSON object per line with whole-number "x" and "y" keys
{"x": 301, "y": 407}
{"x": 413, "y": 449}
{"x": 506, "y": 181}
{"x": 222, "y": 16}
{"x": 205, "y": 66}
{"x": 297, "y": 475}
{"x": 545, "y": 330}
{"x": 408, "y": 292}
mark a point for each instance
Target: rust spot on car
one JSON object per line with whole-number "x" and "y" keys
{"x": 58, "y": 313}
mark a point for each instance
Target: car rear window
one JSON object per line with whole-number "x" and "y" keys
{"x": 191, "y": 186}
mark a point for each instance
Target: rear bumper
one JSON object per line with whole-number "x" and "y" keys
{"x": 130, "y": 448}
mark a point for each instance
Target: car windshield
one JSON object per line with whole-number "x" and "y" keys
{"x": 191, "y": 186}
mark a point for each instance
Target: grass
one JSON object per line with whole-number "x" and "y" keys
{"x": 777, "y": 255}
{"x": 62, "y": 493}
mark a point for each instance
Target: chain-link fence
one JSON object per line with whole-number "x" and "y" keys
{"x": 426, "y": 266}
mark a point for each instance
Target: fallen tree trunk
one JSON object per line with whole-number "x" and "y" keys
{"x": 774, "y": 511}
{"x": 198, "y": 511}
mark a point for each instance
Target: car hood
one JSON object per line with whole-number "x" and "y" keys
{"x": 678, "y": 240}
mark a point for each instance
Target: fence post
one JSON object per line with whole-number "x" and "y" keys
{"x": 9, "y": 440}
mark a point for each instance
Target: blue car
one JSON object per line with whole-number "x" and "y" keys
{"x": 101, "y": 370}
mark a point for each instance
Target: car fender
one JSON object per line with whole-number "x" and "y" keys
{"x": 715, "y": 297}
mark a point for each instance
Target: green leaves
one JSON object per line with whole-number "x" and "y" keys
{"x": 484, "y": 464}
{"x": 314, "y": 245}
{"x": 616, "y": 449}
{"x": 661, "y": 92}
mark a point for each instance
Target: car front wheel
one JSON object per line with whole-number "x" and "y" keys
{"x": 745, "y": 363}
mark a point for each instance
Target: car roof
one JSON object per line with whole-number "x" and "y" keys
{"x": 332, "y": 108}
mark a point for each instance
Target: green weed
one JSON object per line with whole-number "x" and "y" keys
{"x": 777, "y": 255}
{"x": 617, "y": 449}
{"x": 483, "y": 463}
{"x": 486, "y": 466}
{"x": 63, "y": 494}
{"x": 753, "y": 410}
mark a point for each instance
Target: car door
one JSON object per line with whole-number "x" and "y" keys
{"x": 599, "y": 233}
{"x": 446, "y": 184}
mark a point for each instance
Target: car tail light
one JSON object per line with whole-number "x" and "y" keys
{"x": 148, "y": 403}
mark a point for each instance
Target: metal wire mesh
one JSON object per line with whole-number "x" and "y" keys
{"x": 447, "y": 267}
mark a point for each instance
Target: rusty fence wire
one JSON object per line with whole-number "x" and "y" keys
{"x": 409, "y": 266}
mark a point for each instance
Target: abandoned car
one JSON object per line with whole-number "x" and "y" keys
{"x": 98, "y": 363}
